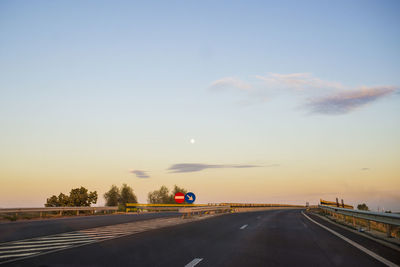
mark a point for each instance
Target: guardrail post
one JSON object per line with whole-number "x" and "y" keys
{"x": 77, "y": 212}
{"x": 40, "y": 214}
{"x": 354, "y": 221}
{"x": 369, "y": 225}
{"x": 388, "y": 230}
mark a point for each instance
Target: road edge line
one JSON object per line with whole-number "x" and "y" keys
{"x": 351, "y": 242}
{"x": 363, "y": 234}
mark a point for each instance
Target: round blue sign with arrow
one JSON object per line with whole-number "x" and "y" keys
{"x": 190, "y": 197}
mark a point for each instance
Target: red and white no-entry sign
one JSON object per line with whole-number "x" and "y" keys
{"x": 179, "y": 197}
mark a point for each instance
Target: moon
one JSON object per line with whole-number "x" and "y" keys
{"x": 192, "y": 141}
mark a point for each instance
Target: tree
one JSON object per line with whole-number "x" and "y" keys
{"x": 162, "y": 195}
{"x": 63, "y": 200}
{"x": 112, "y": 196}
{"x": 119, "y": 197}
{"x": 78, "y": 197}
{"x": 127, "y": 195}
{"x": 159, "y": 196}
{"x": 362, "y": 207}
{"x": 52, "y": 202}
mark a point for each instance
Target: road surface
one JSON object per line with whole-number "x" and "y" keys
{"x": 27, "y": 229}
{"x": 266, "y": 238}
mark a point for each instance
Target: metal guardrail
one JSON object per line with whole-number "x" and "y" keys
{"x": 388, "y": 218}
{"x": 199, "y": 210}
{"x": 57, "y": 209}
{"x": 181, "y": 208}
{"x": 164, "y": 205}
{"x": 150, "y": 208}
{"x": 175, "y": 207}
{"x": 159, "y": 207}
{"x": 13, "y": 210}
{"x": 258, "y": 205}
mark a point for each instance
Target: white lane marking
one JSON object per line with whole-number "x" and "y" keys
{"x": 71, "y": 234}
{"x": 65, "y": 238}
{"x": 32, "y": 249}
{"x": 351, "y": 242}
{"x": 109, "y": 232}
{"x": 48, "y": 245}
{"x": 57, "y": 240}
{"x": 244, "y": 226}
{"x": 60, "y": 237}
{"x": 18, "y": 255}
{"x": 194, "y": 262}
{"x": 106, "y": 229}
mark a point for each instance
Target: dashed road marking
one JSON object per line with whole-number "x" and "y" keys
{"x": 194, "y": 262}
{"x": 244, "y": 226}
{"x": 351, "y": 242}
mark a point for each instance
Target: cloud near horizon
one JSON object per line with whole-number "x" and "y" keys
{"x": 345, "y": 102}
{"x": 140, "y": 174}
{"x": 297, "y": 81}
{"x": 230, "y": 82}
{"x": 196, "y": 167}
{"x": 327, "y": 97}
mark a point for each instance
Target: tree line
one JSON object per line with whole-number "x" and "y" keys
{"x": 81, "y": 197}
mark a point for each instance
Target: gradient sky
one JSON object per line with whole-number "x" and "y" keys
{"x": 286, "y": 101}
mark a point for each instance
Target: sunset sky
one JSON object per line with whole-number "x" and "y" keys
{"x": 236, "y": 101}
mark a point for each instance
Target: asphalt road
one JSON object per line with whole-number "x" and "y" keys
{"x": 28, "y": 229}
{"x": 268, "y": 238}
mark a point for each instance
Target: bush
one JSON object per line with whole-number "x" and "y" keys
{"x": 78, "y": 197}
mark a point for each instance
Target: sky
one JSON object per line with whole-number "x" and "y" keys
{"x": 236, "y": 101}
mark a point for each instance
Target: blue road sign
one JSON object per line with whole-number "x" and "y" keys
{"x": 190, "y": 197}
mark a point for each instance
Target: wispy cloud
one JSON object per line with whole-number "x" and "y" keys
{"x": 297, "y": 81}
{"x": 365, "y": 169}
{"x": 327, "y": 97}
{"x": 230, "y": 83}
{"x": 345, "y": 102}
{"x": 140, "y": 174}
{"x": 196, "y": 167}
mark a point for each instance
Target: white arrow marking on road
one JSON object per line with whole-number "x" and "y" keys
{"x": 244, "y": 226}
{"x": 194, "y": 262}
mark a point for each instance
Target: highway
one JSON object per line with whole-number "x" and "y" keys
{"x": 265, "y": 238}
